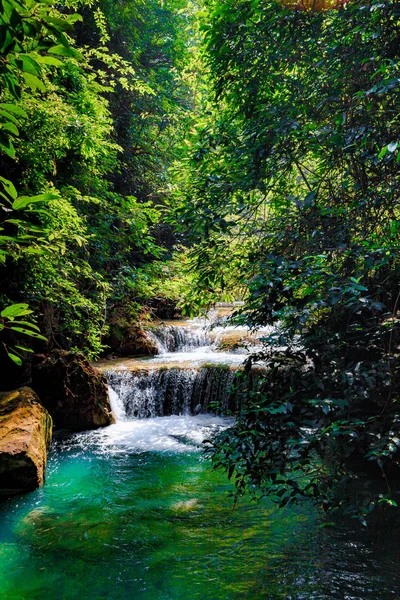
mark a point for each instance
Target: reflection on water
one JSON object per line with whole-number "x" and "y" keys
{"x": 120, "y": 519}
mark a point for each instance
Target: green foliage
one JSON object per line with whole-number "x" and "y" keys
{"x": 92, "y": 123}
{"x": 299, "y": 159}
{"x": 165, "y": 278}
{"x": 30, "y": 34}
{"x": 10, "y": 320}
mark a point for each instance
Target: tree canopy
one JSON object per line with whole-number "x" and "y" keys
{"x": 293, "y": 177}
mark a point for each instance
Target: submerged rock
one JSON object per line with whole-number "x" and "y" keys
{"x": 25, "y": 435}
{"x": 74, "y": 393}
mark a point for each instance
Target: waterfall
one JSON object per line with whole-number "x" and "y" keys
{"x": 189, "y": 376}
{"x": 172, "y": 391}
{"x": 117, "y": 404}
{"x": 170, "y": 338}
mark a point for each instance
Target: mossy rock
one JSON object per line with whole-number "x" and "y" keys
{"x": 74, "y": 393}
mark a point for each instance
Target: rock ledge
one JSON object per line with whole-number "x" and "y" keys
{"x": 74, "y": 393}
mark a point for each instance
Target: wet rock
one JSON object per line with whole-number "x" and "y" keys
{"x": 229, "y": 342}
{"x": 74, "y": 393}
{"x": 134, "y": 342}
{"x": 25, "y": 435}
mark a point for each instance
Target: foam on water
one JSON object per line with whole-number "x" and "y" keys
{"x": 159, "y": 434}
{"x": 199, "y": 356}
{"x": 180, "y": 380}
{"x": 172, "y": 338}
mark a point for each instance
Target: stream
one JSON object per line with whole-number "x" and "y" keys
{"x": 133, "y": 511}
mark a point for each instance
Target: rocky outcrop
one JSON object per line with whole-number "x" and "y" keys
{"x": 74, "y": 393}
{"x": 125, "y": 336}
{"x": 164, "y": 308}
{"x": 25, "y": 435}
{"x": 129, "y": 341}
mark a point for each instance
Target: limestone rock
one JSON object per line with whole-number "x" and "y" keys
{"x": 25, "y": 435}
{"x": 74, "y": 393}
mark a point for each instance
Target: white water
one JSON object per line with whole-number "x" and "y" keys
{"x": 175, "y": 434}
{"x": 171, "y": 339}
{"x": 137, "y": 397}
{"x": 117, "y": 404}
{"x": 198, "y": 340}
{"x": 199, "y": 356}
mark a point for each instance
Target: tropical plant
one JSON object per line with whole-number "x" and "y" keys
{"x": 299, "y": 159}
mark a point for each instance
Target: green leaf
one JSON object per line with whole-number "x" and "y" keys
{"x": 61, "y": 50}
{"x": 29, "y": 65}
{"x": 24, "y": 201}
{"x": 7, "y": 146}
{"x": 27, "y": 324}
{"x": 33, "y": 82}
{"x": 12, "y": 108}
{"x": 49, "y": 60}
{"x": 8, "y": 11}
{"x": 24, "y": 349}
{"x": 29, "y": 332}
{"x": 9, "y": 187}
{"x": 10, "y": 127}
{"x": 15, "y": 310}
{"x": 8, "y": 116}
{"x": 15, "y": 358}
{"x": 383, "y": 152}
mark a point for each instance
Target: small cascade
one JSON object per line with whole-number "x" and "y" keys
{"x": 170, "y": 338}
{"x": 191, "y": 375}
{"x": 172, "y": 391}
{"x": 117, "y": 403}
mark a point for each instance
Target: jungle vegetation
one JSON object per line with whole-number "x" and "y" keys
{"x": 237, "y": 149}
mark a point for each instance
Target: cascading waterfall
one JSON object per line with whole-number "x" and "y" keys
{"x": 171, "y": 338}
{"x": 172, "y": 391}
{"x": 134, "y": 509}
{"x": 188, "y": 377}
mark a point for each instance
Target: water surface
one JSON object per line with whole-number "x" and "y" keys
{"x": 133, "y": 511}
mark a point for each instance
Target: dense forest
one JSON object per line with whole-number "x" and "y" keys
{"x": 191, "y": 153}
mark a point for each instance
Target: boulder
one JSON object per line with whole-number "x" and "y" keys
{"x": 164, "y": 308}
{"x": 74, "y": 393}
{"x": 129, "y": 341}
{"x": 125, "y": 335}
{"x": 25, "y": 435}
